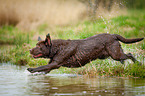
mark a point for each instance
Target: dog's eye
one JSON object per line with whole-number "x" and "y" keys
{"x": 40, "y": 48}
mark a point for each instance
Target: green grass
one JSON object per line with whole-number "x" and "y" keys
{"x": 11, "y": 35}
{"x": 131, "y": 25}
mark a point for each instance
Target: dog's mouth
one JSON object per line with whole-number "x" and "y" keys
{"x": 39, "y": 55}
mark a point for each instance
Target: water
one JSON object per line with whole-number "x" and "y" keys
{"x": 16, "y": 81}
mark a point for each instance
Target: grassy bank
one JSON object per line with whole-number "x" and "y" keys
{"x": 131, "y": 25}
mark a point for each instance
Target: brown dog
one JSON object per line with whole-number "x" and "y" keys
{"x": 77, "y": 53}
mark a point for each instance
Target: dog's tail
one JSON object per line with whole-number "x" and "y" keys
{"x": 127, "y": 41}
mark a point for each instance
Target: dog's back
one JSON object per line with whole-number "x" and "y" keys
{"x": 97, "y": 46}
{"x": 90, "y": 49}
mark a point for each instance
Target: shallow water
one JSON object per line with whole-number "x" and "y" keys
{"x": 16, "y": 81}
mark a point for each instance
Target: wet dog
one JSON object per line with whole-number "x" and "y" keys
{"x": 77, "y": 53}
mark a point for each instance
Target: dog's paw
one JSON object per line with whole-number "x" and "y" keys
{"x": 138, "y": 63}
{"x": 31, "y": 70}
{"x": 47, "y": 71}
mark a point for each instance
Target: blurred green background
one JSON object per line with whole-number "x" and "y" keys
{"x": 22, "y": 21}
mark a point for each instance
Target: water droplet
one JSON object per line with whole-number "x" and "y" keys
{"x": 54, "y": 88}
{"x": 84, "y": 92}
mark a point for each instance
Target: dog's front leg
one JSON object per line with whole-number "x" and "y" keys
{"x": 45, "y": 68}
{"x": 38, "y": 69}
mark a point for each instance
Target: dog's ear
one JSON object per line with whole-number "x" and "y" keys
{"x": 39, "y": 38}
{"x": 48, "y": 40}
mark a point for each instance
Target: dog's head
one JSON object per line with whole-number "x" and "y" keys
{"x": 42, "y": 48}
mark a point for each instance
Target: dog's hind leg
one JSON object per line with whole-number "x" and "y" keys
{"x": 116, "y": 52}
{"x": 122, "y": 61}
{"x": 130, "y": 56}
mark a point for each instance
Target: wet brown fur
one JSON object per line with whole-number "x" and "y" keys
{"x": 77, "y": 53}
